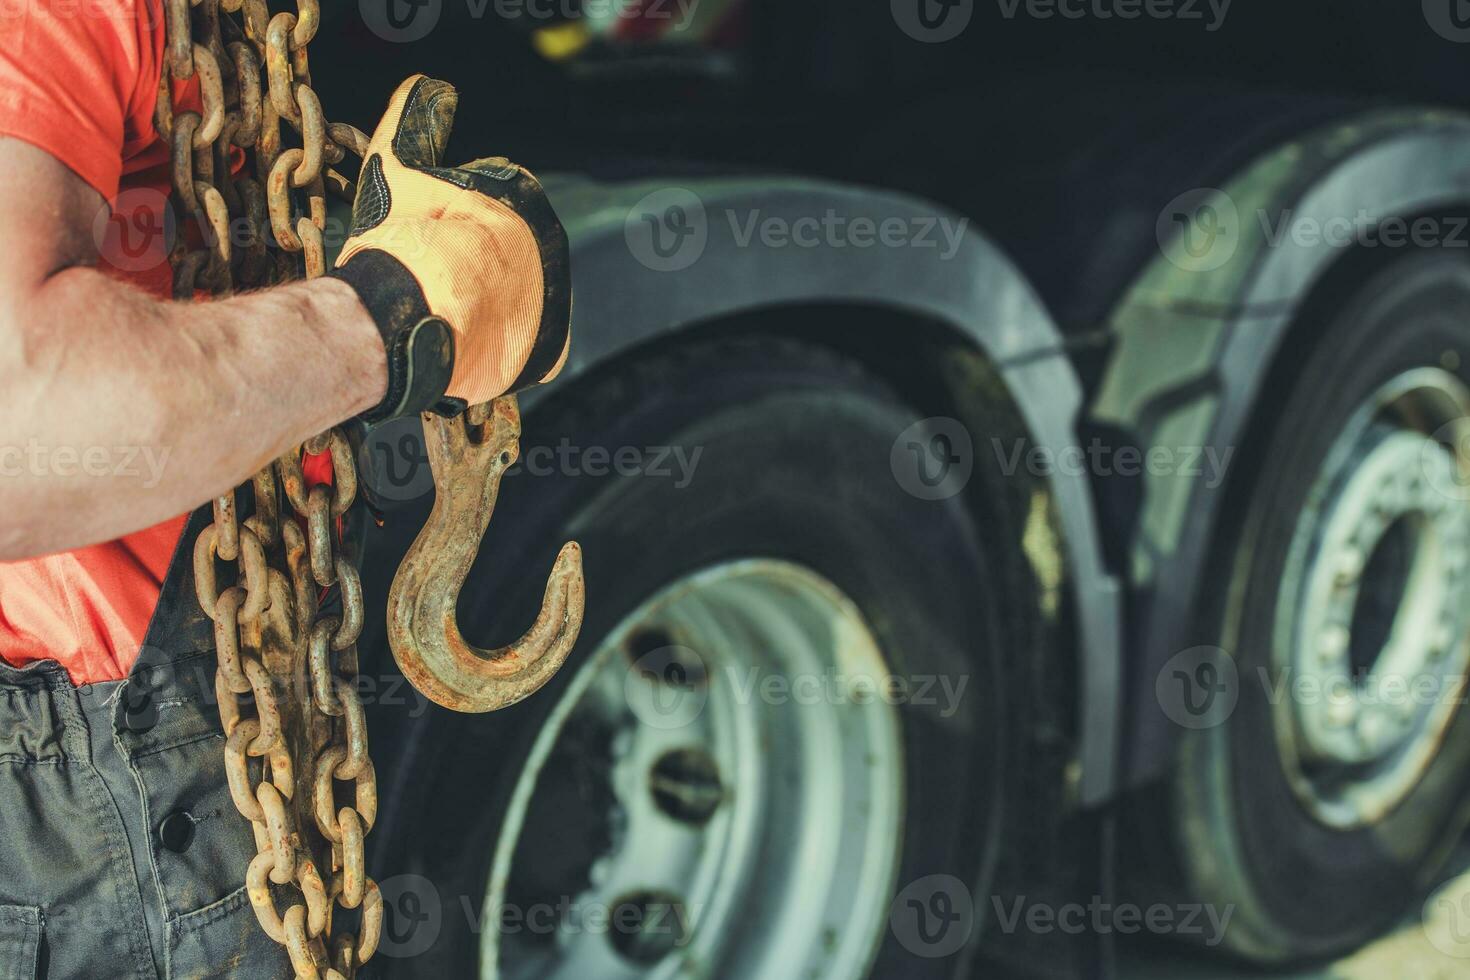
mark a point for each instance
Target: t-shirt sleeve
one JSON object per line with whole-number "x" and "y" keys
{"x": 69, "y": 73}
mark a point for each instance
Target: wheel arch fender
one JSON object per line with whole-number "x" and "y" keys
{"x": 628, "y": 295}
{"x": 1198, "y": 335}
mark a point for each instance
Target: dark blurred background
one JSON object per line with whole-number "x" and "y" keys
{"x": 811, "y": 84}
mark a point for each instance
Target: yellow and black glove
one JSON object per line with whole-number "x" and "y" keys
{"x": 465, "y": 269}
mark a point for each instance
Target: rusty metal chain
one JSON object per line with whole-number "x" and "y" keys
{"x": 296, "y": 750}
{"x": 250, "y": 176}
{"x": 255, "y": 89}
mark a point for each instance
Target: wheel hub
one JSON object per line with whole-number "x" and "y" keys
{"x": 751, "y": 830}
{"x": 1375, "y": 609}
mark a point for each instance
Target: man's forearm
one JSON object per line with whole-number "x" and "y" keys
{"x": 118, "y": 410}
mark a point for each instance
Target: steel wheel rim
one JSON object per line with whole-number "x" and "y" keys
{"x": 753, "y": 789}
{"x": 1372, "y": 631}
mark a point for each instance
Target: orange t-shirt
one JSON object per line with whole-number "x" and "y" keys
{"x": 79, "y": 79}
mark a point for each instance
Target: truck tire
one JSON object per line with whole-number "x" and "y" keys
{"x": 676, "y": 780}
{"x": 1320, "y": 806}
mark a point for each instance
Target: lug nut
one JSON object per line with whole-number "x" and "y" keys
{"x": 686, "y": 785}
{"x": 1333, "y": 643}
{"x": 653, "y": 925}
{"x": 1371, "y": 731}
{"x": 1350, "y": 566}
{"x": 1342, "y": 713}
{"x": 1443, "y": 639}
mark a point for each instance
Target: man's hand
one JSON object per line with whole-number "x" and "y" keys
{"x": 462, "y": 274}
{"x": 465, "y": 269}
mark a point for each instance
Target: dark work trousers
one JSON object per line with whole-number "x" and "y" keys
{"x": 121, "y": 854}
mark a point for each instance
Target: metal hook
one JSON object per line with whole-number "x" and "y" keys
{"x": 468, "y": 456}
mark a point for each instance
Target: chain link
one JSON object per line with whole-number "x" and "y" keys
{"x": 296, "y": 750}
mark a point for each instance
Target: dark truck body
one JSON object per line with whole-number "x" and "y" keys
{"x": 1061, "y": 140}
{"x": 1063, "y": 143}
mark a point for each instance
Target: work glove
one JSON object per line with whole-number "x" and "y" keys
{"x": 465, "y": 270}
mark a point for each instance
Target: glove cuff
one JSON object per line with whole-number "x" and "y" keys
{"x": 419, "y": 345}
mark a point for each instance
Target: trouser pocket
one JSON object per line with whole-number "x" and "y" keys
{"x": 222, "y": 942}
{"x": 20, "y": 942}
